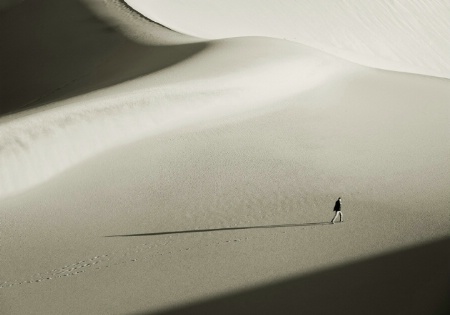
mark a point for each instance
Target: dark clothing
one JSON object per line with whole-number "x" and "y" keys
{"x": 337, "y": 205}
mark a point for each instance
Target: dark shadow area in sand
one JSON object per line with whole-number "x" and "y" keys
{"x": 408, "y": 282}
{"x": 223, "y": 229}
{"x": 55, "y": 49}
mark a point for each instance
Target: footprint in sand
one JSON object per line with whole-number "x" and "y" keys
{"x": 65, "y": 271}
{"x": 84, "y": 265}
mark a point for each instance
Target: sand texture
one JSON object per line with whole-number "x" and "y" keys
{"x": 145, "y": 171}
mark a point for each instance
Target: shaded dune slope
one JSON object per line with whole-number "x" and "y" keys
{"x": 57, "y": 49}
{"x": 413, "y": 281}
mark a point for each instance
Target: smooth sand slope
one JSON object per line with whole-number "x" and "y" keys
{"x": 410, "y": 36}
{"x": 206, "y": 187}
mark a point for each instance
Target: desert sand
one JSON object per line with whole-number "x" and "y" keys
{"x": 146, "y": 171}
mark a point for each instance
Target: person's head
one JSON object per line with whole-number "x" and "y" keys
{"x": 339, "y": 198}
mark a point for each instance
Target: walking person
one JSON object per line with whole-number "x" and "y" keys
{"x": 337, "y": 208}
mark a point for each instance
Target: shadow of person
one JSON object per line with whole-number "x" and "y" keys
{"x": 224, "y": 229}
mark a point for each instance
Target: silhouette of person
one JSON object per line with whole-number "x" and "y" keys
{"x": 337, "y": 208}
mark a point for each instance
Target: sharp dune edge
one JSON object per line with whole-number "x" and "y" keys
{"x": 393, "y": 35}
{"x": 144, "y": 171}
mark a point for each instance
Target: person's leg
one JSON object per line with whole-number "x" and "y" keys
{"x": 341, "y": 216}
{"x": 335, "y": 216}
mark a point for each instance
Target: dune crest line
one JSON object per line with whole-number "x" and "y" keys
{"x": 399, "y": 36}
{"x": 36, "y": 147}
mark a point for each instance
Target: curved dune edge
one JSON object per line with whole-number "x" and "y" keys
{"x": 80, "y": 47}
{"x": 209, "y": 86}
{"x": 404, "y": 37}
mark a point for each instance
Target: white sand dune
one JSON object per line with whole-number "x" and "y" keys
{"x": 205, "y": 184}
{"x": 393, "y": 35}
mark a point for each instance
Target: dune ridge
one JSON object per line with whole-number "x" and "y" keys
{"x": 79, "y": 47}
{"x": 392, "y": 35}
{"x": 30, "y": 156}
{"x": 38, "y": 146}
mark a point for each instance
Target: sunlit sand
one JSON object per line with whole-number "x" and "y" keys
{"x": 170, "y": 171}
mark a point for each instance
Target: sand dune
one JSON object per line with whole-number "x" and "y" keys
{"x": 208, "y": 86}
{"x": 408, "y": 37}
{"x": 185, "y": 176}
{"x": 65, "y": 48}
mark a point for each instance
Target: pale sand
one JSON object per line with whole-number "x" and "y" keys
{"x": 395, "y": 35}
{"x": 240, "y": 183}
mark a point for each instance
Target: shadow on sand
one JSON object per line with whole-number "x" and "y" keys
{"x": 55, "y": 49}
{"x": 224, "y": 229}
{"x": 408, "y": 282}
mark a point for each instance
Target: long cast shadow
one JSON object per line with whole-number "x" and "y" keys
{"x": 412, "y": 281}
{"x": 55, "y": 49}
{"x": 224, "y": 229}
